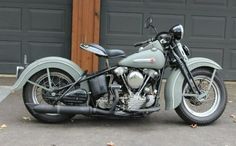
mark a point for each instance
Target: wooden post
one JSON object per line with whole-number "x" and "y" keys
{"x": 85, "y": 29}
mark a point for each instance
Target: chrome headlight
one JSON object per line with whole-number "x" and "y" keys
{"x": 177, "y": 31}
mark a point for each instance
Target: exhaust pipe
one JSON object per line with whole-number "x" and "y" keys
{"x": 86, "y": 110}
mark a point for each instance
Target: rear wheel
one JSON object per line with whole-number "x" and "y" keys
{"x": 37, "y": 94}
{"x": 210, "y": 107}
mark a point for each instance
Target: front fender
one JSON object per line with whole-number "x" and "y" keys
{"x": 44, "y": 63}
{"x": 173, "y": 87}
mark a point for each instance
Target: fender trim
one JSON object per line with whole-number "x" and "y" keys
{"x": 173, "y": 87}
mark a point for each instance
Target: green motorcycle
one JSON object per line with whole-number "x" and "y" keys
{"x": 55, "y": 89}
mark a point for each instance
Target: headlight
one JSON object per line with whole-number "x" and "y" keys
{"x": 177, "y": 31}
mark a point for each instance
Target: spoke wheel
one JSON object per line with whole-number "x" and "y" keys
{"x": 36, "y": 94}
{"x": 210, "y": 107}
{"x": 209, "y": 103}
{"x": 41, "y": 96}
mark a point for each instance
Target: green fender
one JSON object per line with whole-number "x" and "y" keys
{"x": 38, "y": 65}
{"x": 173, "y": 87}
{"x": 44, "y": 63}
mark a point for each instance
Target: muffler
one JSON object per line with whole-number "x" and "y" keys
{"x": 59, "y": 109}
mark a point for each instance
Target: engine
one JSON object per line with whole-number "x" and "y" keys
{"x": 135, "y": 79}
{"x": 139, "y": 86}
{"x": 136, "y": 89}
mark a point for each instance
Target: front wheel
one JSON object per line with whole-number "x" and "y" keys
{"x": 210, "y": 107}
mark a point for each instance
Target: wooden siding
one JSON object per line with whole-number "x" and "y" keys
{"x": 85, "y": 29}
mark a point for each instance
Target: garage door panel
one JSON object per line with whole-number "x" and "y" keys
{"x": 210, "y": 3}
{"x": 165, "y": 4}
{"x": 7, "y": 68}
{"x": 119, "y": 3}
{"x": 43, "y": 28}
{"x": 46, "y": 20}
{"x": 168, "y": 2}
{"x": 232, "y": 3}
{"x": 233, "y": 30}
{"x": 211, "y": 53}
{"x": 122, "y": 6}
{"x": 228, "y": 74}
{"x": 124, "y": 23}
{"x": 165, "y": 21}
{"x": 38, "y": 50}
{"x": 53, "y": 2}
{"x": 233, "y": 59}
{"x": 6, "y": 55}
{"x": 13, "y": 21}
{"x": 126, "y": 1}
{"x": 208, "y": 27}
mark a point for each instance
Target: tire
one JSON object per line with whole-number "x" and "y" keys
{"x": 186, "y": 110}
{"x": 30, "y": 95}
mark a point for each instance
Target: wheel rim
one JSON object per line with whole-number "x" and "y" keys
{"x": 209, "y": 104}
{"x": 58, "y": 80}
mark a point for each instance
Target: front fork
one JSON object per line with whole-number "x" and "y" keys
{"x": 189, "y": 78}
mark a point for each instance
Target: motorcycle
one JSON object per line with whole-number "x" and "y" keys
{"x": 56, "y": 89}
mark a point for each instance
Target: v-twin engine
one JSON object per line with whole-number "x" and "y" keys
{"x": 136, "y": 101}
{"x": 139, "y": 85}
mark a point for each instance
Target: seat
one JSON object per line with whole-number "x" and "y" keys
{"x": 100, "y": 51}
{"x": 115, "y": 53}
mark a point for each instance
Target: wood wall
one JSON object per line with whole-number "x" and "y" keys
{"x": 85, "y": 29}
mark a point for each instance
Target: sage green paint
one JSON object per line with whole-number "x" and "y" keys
{"x": 4, "y": 92}
{"x": 154, "y": 53}
{"x": 44, "y": 63}
{"x": 173, "y": 88}
{"x": 155, "y": 44}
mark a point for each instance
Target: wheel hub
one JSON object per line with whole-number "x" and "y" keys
{"x": 53, "y": 94}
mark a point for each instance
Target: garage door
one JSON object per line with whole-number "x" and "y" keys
{"x": 210, "y": 26}
{"x": 31, "y": 29}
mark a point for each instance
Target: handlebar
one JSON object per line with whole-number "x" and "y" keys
{"x": 143, "y": 42}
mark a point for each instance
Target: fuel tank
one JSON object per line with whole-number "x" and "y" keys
{"x": 152, "y": 58}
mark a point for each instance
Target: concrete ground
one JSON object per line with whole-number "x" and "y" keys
{"x": 163, "y": 128}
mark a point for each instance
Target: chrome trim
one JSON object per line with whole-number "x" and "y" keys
{"x": 147, "y": 60}
{"x": 19, "y": 70}
{"x": 182, "y": 30}
{"x": 92, "y": 49}
{"x": 179, "y": 45}
{"x": 212, "y": 78}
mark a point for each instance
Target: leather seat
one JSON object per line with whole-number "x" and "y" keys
{"x": 115, "y": 53}
{"x": 100, "y": 51}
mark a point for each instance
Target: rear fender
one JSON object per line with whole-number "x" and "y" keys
{"x": 44, "y": 63}
{"x": 173, "y": 87}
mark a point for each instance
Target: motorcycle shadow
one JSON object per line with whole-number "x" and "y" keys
{"x": 155, "y": 119}
{"x": 153, "y": 122}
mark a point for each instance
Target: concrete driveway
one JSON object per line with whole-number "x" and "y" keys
{"x": 163, "y": 128}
